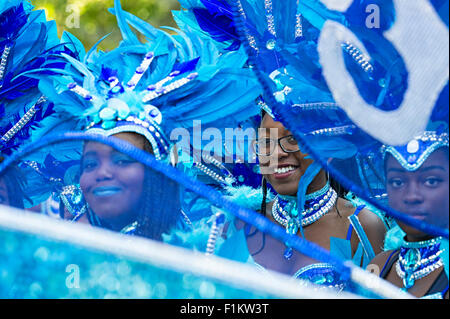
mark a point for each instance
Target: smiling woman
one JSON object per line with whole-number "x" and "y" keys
{"x": 121, "y": 194}
{"x": 112, "y": 182}
{"x": 326, "y": 218}
{"x": 136, "y": 95}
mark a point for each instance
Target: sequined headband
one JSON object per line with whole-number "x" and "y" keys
{"x": 412, "y": 155}
{"x": 117, "y": 117}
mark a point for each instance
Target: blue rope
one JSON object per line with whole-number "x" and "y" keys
{"x": 216, "y": 198}
{"x": 291, "y": 125}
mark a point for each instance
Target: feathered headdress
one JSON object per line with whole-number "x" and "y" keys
{"x": 287, "y": 42}
{"x": 28, "y": 44}
{"x": 210, "y": 18}
{"x": 155, "y": 87}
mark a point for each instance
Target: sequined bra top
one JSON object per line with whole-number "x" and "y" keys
{"x": 323, "y": 274}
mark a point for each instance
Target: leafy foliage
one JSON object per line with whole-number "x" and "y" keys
{"x": 89, "y": 20}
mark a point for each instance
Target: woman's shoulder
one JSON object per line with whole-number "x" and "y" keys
{"x": 364, "y": 215}
{"x": 369, "y": 220}
{"x": 366, "y": 218}
{"x": 373, "y": 227}
{"x": 380, "y": 259}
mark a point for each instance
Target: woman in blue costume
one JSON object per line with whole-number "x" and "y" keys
{"x": 309, "y": 57}
{"x": 29, "y": 44}
{"x": 417, "y": 184}
{"x": 328, "y": 219}
{"x": 139, "y": 93}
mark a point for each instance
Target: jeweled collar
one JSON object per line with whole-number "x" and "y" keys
{"x": 317, "y": 204}
{"x": 418, "y": 260}
{"x": 421, "y": 244}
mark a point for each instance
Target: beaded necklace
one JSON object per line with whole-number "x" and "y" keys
{"x": 418, "y": 260}
{"x": 94, "y": 220}
{"x": 317, "y": 204}
{"x": 130, "y": 229}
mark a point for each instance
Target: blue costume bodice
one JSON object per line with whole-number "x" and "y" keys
{"x": 324, "y": 274}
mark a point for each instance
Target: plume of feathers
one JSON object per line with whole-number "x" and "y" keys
{"x": 223, "y": 88}
{"x": 30, "y": 47}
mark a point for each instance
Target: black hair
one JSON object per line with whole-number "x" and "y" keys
{"x": 161, "y": 207}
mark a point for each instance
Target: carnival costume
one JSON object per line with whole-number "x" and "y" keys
{"x": 216, "y": 19}
{"x": 172, "y": 82}
{"x": 29, "y": 47}
{"x": 415, "y": 260}
{"x": 312, "y": 57}
{"x": 315, "y": 59}
{"x": 282, "y": 41}
{"x": 94, "y": 95}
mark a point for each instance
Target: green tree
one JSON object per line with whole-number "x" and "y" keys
{"x": 90, "y": 20}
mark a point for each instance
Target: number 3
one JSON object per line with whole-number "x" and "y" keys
{"x": 421, "y": 38}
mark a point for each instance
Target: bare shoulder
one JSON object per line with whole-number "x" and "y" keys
{"x": 372, "y": 224}
{"x": 367, "y": 218}
{"x": 345, "y": 207}
{"x": 370, "y": 220}
{"x": 381, "y": 259}
{"x": 374, "y": 228}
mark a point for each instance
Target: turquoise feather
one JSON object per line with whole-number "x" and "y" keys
{"x": 445, "y": 255}
{"x": 93, "y": 51}
{"x": 223, "y": 87}
{"x": 128, "y": 36}
{"x": 74, "y": 44}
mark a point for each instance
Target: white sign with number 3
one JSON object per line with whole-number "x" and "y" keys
{"x": 421, "y": 38}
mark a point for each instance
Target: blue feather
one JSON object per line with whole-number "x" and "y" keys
{"x": 218, "y": 25}
{"x": 188, "y": 46}
{"x": 309, "y": 175}
{"x": 106, "y": 73}
{"x": 285, "y": 17}
{"x": 127, "y": 34}
{"x": 218, "y": 7}
{"x": 74, "y": 44}
{"x": 186, "y": 66}
{"x": 12, "y": 21}
{"x": 94, "y": 48}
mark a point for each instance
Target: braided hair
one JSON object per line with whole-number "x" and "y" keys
{"x": 161, "y": 205}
